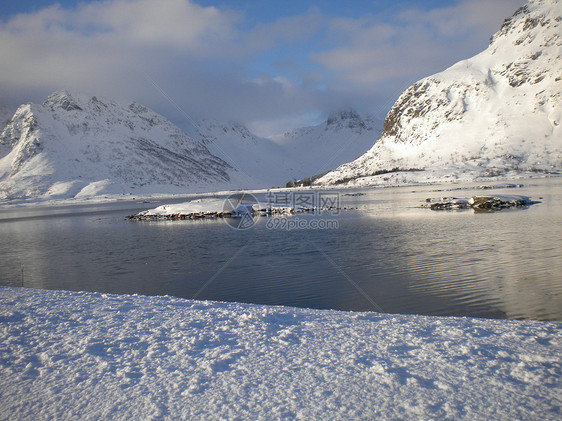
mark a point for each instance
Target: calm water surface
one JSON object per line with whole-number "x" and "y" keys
{"x": 387, "y": 253}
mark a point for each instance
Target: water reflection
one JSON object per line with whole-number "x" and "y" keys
{"x": 406, "y": 259}
{"x": 506, "y": 264}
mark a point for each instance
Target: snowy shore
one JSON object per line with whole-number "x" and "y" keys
{"x": 70, "y": 355}
{"x": 407, "y": 179}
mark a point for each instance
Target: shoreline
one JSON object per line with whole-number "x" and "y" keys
{"x": 138, "y": 198}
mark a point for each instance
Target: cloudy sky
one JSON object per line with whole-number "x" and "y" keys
{"x": 272, "y": 65}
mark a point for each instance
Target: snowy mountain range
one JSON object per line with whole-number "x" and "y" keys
{"x": 74, "y": 145}
{"x": 344, "y": 136}
{"x": 497, "y": 113}
{"x": 260, "y": 162}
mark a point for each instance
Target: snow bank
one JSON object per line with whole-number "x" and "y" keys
{"x": 90, "y": 356}
{"x": 219, "y": 208}
{"x": 193, "y": 206}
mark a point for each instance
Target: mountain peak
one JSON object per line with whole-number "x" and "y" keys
{"x": 64, "y": 99}
{"x": 347, "y": 119}
{"x": 342, "y": 116}
{"x": 525, "y": 19}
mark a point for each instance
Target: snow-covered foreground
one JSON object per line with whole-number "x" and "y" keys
{"x": 69, "y": 355}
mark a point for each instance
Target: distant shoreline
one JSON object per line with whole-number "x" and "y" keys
{"x": 136, "y": 198}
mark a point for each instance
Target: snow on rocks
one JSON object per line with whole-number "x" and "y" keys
{"x": 217, "y": 208}
{"x": 499, "y": 202}
{"x": 78, "y": 355}
{"x": 448, "y": 203}
{"x": 481, "y": 203}
{"x": 192, "y": 209}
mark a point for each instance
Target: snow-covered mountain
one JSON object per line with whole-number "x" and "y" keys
{"x": 292, "y": 155}
{"x": 497, "y": 113}
{"x": 344, "y": 136}
{"x": 75, "y": 145}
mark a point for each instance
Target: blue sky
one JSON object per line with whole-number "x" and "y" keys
{"x": 272, "y": 65}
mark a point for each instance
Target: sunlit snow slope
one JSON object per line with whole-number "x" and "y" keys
{"x": 494, "y": 114}
{"x": 74, "y": 145}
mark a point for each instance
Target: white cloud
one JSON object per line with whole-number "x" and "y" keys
{"x": 466, "y": 17}
{"x": 196, "y": 54}
{"x": 205, "y": 57}
{"x": 372, "y": 53}
{"x": 293, "y": 29}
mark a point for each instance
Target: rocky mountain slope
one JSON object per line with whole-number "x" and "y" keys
{"x": 74, "y": 145}
{"x": 498, "y": 113}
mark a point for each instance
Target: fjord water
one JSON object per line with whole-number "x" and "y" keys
{"x": 387, "y": 253}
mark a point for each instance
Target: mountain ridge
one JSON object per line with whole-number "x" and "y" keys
{"x": 78, "y": 145}
{"x": 495, "y": 114}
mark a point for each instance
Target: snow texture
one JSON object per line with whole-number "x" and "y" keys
{"x": 74, "y": 145}
{"x": 72, "y": 355}
{"x": 496, "y": 113}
